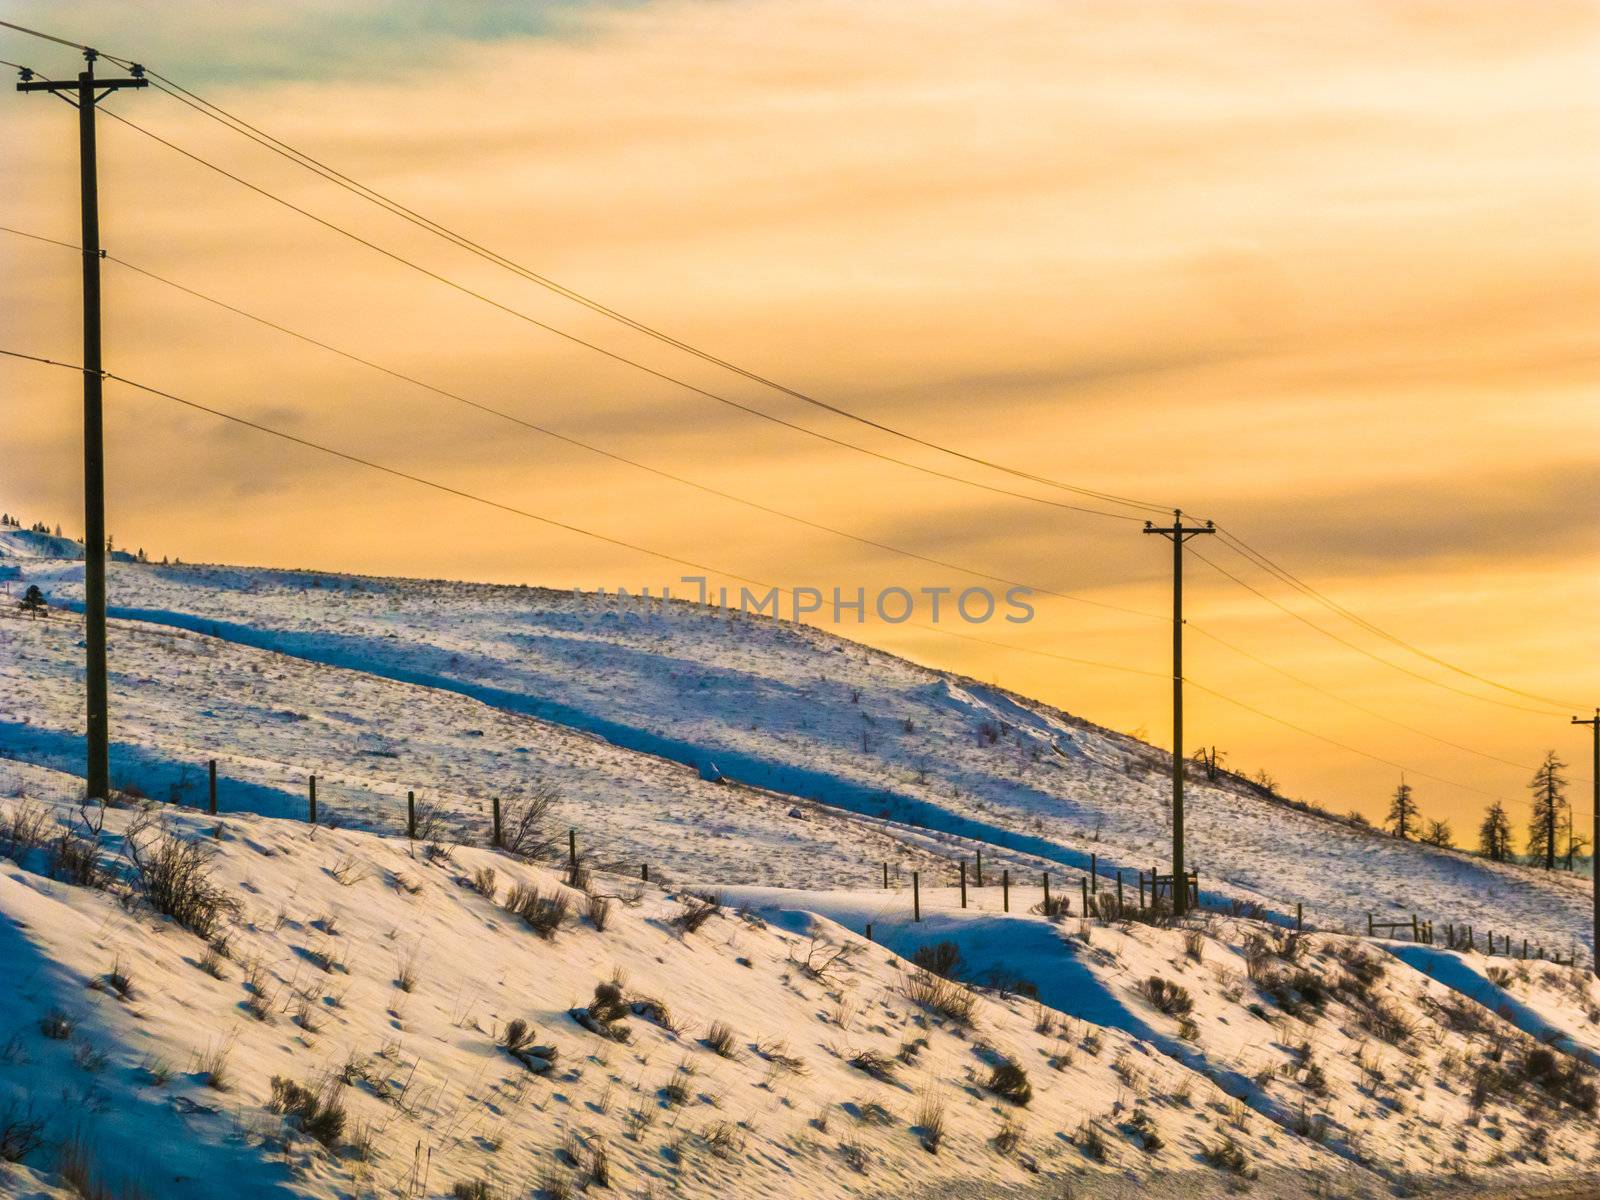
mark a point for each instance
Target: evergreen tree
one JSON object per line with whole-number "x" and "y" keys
{"x": 1403, "y": 815}
{"x": 1549, "y": 787}
{"x": 33, "y": 602}
{"x": 1494, "y": 835}
{"x": 1438, "y": 834}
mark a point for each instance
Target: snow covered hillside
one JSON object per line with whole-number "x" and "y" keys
{"x": 463, "y": 692}
{"x": 255, "y": 1007}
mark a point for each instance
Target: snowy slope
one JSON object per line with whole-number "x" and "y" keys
{"x": 384, "y": 977}
{"x": 937, "y": 762}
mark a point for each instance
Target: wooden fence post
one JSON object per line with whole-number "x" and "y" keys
{"x": 494, "y": 807}
{"x": 1141, "y": 891}
{"x": 979, "y": 881}
{"x": 916, "y": 896}
{"x": 1370, "y": 930}
{"x": 1094, "y": 873}
{"x": 963, "y": 866}
{"x": 1299, "y": 916}
{"x": 212, "y": 803}
{"x": 411, "y": 815}
{"x": 869, "y": 931}
{"x": 886, "y": 874}
{"x": 1119, "y": 893}
{"x": 1047, "y": 893}
{"x": 312, "y": 797}
{"x": 1084, "y": 884}
{"x": 1416, "y": 935}
{"x": 644, "y": 872}
{"x": 572, "y": 848}
{"x": 1005, "y": 891}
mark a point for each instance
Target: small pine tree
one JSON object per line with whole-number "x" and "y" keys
{"x": 1494, "y": 835}
{"x": 1403, "y": 816}
{"x": 1549, "y": 787}
{"x": 33, "y": 601}
{"x": 1438, "y": 833}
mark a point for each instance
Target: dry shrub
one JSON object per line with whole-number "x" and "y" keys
{"x": 1009, "y": 1080}
{"x": 943, "y": 996}
{"x": 1167, "y": 997}
{"x": 524, "y": 822}
{"x": 318, "y": 1112}
{"x": 174, "y": 876}
{"x": 544, "y": 912}
{"x": 696, "y": 911}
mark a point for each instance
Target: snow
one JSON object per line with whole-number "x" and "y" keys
{"x": 935, "y": 763}
{"x": 782, "y": 770}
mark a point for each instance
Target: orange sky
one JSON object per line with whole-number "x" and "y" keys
{"x": 1328, "y": 275}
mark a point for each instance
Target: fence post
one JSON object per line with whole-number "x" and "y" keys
{"x": 1094, "y": 873}
{"x": 886, "y": 874}
{"x": 494, "y": 808}
{"x": 212, "y": 805}
{"x": 312, "y": 796}
{"x": 1370, "y": 930}
{"x": 1084, "y": 885}
{"x": 979, "y": 881}
{"x": 869, "y": 931}
{"x": 916, "y": 895}
{"x": 572, "y": 848}
{"x": 1119, "y": 893}
{"x": 1047, "y": 893}
{"x": 1524, "y": 949}
{"x": 1005, "y": 891}
{"x": 1299, "y": 916}
{"x": 1141, "y": 891}
{"x": 411, "y": 815}
{"x": 644, "y": 872}
{"x": 1415, "y": 934}
{"x": 963, "y": 866}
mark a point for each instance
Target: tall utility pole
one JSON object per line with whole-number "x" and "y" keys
{"x": 1594, "y": 856}
{"x": 1178, "y": 533}
{"x": 82, "y": 92}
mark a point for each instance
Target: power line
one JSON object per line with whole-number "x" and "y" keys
{"x": 1283, "y": 574}
{"x": 607, "y": 353}
{"x": 499, "y": 413}
{"x": 283, "y": 149}
{"x": 1388, "y": 762}
{"x": 217, "y": 113}
{"x": 213, "y": 111}
{"x": 588, "y": 446}
{"x": 1361, "y": 708}
{"x": 462, "y": 494}
{"x": 1362, "y": 650}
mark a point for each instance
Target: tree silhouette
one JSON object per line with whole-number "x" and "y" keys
{"x": 1403, "y": 815}
{"x": 1438, "y": 834}
{"x": 1549, "y": 787}
{"x": 33, "y": 601}
{"x": 1494, "y": 835}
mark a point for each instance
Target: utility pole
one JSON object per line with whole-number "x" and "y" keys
{"x": 82, "y": 92}
{"x": 1178, "y": 533}
{"x": 1594, "y": 857}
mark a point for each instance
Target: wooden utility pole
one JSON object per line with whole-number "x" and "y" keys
{"x": 1178, "y": 533}
{"x": 82, "y": 92}
{"x": 1594, "y": 857}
